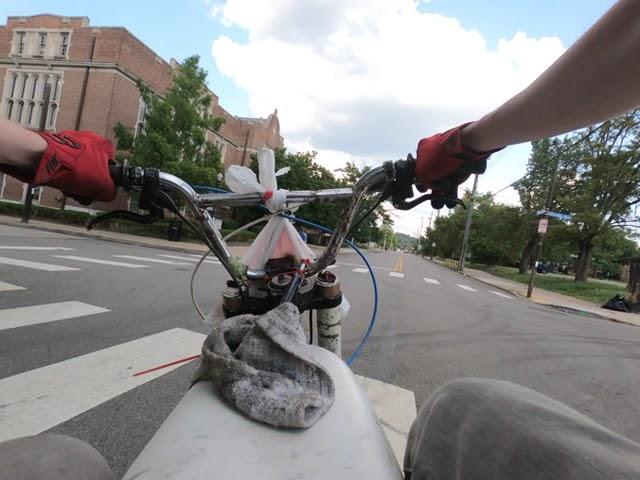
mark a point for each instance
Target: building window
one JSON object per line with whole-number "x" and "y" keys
{"x": 42, "y": 43}
{"x": 20, "y": 43}
{"x": 140, "y": 119}
{"x": 23, "y": 96}
{"x": 64, "y": 44}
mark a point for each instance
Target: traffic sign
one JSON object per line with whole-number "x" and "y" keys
{"x": 543, "y": 223}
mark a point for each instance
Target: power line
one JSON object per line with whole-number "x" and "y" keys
{"x": 553, "y": 158}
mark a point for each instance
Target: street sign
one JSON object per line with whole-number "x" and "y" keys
{"x": 564, "y": 217}
{"x": 433, "y": 245}
{"x": 543, "y": 223}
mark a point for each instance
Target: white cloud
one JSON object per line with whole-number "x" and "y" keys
{"x": 366, "y": 79}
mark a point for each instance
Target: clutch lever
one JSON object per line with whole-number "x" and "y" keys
{"x": 151, "y": 199}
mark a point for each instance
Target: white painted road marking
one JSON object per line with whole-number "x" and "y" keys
{"x": 211, "y": 258}
{"x": 466, "y": 287}
{"x": 7, "y": 247}
{"x": 101, "y": 262}
{"x": 396, "y": 274}
{"x": 40, "y": 399}
{"x": 500, "y": 294}
{"x": 152, "y": 260}
{"x": 195, "y": 260}
{"x": 357, "y": 265}
{"x": 35, "y": 265}
{"x": 361, "y": 270}
{"x": 9, "y": 287}
{"x": 49, "y": 312}
{"x": 433, "y": 281}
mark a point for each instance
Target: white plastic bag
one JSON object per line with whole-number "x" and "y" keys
{"x": 279, "y": 237}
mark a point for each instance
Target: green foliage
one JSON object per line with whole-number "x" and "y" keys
{"x": 406, "y": 242}
{"x": 174, "y": 137}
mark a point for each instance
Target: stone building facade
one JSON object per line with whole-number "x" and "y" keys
{"x": 92, "y": 72}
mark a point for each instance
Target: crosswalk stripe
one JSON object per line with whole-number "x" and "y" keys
{"x": 40, "y": 399}
{"x": 396, "y": 274}
{"x": 500, "y": 294}
{"x": 211, "y": 258}
{"x": 357, "y": 265}
{"x": 152, "y": 260}
{"x": 466, "y": 287}
{"x": 432, "y": 281}
{"x": 8, "y": 247}
{"x": 9, "y": 287}
{"x": 195, "y": 260}
{"x": 47, "y": 267}
{"x": 50, "y": 312}
{"x": 361, "y": 270}
{"x": 100, "y": 261}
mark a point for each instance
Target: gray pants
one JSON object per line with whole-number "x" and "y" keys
{"x": 488, "y": 429}
{"x": 469, "y": 429}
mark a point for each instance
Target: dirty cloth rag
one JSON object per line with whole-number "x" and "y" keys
{"x": 262, "y": 365}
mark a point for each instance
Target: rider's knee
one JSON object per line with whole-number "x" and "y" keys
{"x": 51, "y": 456}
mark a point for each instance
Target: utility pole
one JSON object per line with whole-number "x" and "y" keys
{"x": 467, "y": 227}
{"x": 538, "y": 249}
{"x": 28, "y": 199}
{"x": 420, "y": 234}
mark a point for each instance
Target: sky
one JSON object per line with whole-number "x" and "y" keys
{"x": 357, "y": 80}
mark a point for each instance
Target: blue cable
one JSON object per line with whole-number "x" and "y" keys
{"x": 365, "y": 338}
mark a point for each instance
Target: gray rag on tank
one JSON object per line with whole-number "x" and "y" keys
{"x": 263, "y": 366}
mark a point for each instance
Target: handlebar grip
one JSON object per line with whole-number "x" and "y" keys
{"x": 116, "y": 172}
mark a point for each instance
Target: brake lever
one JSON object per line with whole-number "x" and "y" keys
{"x": 408, "y": 205}
{"x": 151, "y": 199}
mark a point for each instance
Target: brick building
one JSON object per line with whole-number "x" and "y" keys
{"x": 92, "y": 73}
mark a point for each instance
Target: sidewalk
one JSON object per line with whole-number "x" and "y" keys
{"x": 546, "y": 297}
{"x": 190, "y": 247}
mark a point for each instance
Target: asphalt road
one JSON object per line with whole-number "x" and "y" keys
{"x": 428, "y": 332}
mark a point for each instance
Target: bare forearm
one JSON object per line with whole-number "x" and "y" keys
{"x": 596, "y": 79}
{"x": 19, "y": 147}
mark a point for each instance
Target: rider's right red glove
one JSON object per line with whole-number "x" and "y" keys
{"x": 443, "y": 162}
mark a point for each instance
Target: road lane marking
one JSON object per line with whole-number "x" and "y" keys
{"x": 152, "y": 260}
{"x": 399, "y": 266}
{"x": 49, "y": 312}
{"x": 47, "y": 267}
{"x": 7, "y": 247}
{"x": 361, "y": 270}
{"x": 358, "y": 265}
{"x": 500, "y": 294}
{"x": 40, "y": 399}
{"x": 211, "y": 258}
{"x": 396, "y": 274}
{"x": 9, "y": 287}
{"x": 432, "y": 281}
{"x": 466, "y": 287}
{"x": 195, "y": 260}
{"x": 101, "y": 262}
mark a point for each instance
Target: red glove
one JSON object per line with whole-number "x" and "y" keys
{"x": 443, "y": 163}
{"x": 77, "y": 163}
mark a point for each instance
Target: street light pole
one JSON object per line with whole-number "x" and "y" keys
{"x": 420, "y": 235}
{"x": 467, "y": 227}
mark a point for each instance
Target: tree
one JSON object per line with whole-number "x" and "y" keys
{"x": 174, "y": 137}
{"x": 606, "y": 188}
{"x": 533, "y": 188}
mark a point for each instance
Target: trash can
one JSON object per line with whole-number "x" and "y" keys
{"x": 174, "y": 232}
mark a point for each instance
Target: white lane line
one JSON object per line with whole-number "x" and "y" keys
{"x": 466, "y": 287}
{"x": 35, "y": 265}
{"x": 9, "y": 287}
{"x": 331, "y": 267}
{"x": 211, "y": 257}
{"x": 40, "y": 399}
{"x": 396, "y": 274}
{"x": 361, "y": 270}
{"x": 432, "y": 281}
{"x": 357, "y": 265}
{"x": 49, "y": 312}
{"x": 500, "y": 294}
{"x": 195, "y": 260}
{"x": 101, "y": 262}
{"x": 7, "y": 247}
{"x": 152, "y": 260}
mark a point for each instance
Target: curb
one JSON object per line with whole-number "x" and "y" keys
{"x": 105, "y": 238}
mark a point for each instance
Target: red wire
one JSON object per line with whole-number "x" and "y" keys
{"x": 160, "y": 367}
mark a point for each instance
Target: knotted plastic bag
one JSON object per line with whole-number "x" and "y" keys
{"x": 279, "y": 238}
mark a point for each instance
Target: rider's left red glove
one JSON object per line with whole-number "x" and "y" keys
{"x": 77, "y": 163}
